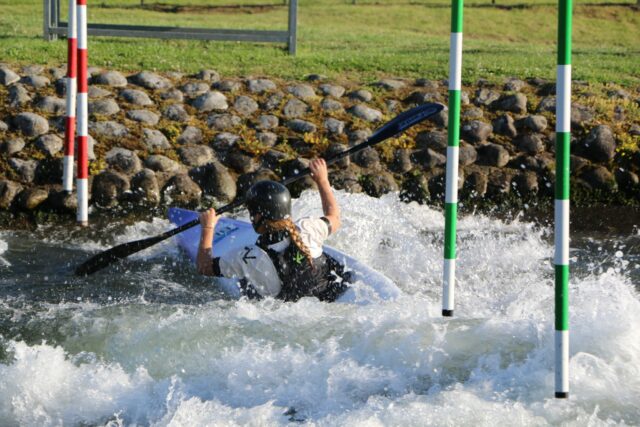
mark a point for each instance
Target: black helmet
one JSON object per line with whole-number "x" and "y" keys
{"x": 270, "y": 199}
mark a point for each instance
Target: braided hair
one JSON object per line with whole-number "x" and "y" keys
{"x": 290, "y": 228}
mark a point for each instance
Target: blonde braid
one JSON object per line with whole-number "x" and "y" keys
{"x": 292, "y": 230}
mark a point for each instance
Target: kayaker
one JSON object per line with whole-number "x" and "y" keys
{"x": 287, "y": 261}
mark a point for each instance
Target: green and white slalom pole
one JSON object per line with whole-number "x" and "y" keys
{"x": 563, "y": 139}
{"x": 451, "y": 193}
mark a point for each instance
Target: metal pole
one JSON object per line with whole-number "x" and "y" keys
{"x": 83, "y": 118}
{"x": 70, "y": 123}
{"x": 293, "y": 26}
{"x": 453, "y": 131}
{"x": 563, "y": 151}
{"x": 46, "y": 20}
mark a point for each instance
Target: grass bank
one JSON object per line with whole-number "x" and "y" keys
{"x": 336, "y": 38}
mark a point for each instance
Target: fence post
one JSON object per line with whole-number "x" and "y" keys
{"x": 293, "y": 26}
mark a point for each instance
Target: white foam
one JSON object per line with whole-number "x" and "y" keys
{"x": 4, "y": 246}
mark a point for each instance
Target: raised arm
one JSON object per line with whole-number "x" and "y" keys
{"x": 330, "y": 206}
{"x": 208, "y": 221}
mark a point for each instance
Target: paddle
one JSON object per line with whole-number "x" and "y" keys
{"x": 399, "y": 124}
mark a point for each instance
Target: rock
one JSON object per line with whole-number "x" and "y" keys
{"x": 334, "y": 91}
{"x": 248, "y": 179}
{"x": 3, "y": 126}
{"x": 334, "y": 126}
{"x": 301, "y": 126}
{"x": 215, "y": 180}
{"x": 476, "y": 131}
{"x": 245, "y": 106}
{"x": 190, "y": 135}
{"x": 367, "y": 158}
{"x": 11, "y": 146}
{"x": 240, "y": 162}
{"x": 53, "y": 105}
{"x": 260, "y": 85}
{"x": 428, "y": 158}
{"x": 627, "y": 180}
{"x": 108, "y": 187}
{"x": 225, "y": 140}
{"x": 475, "y": 185}
{"x": 302, "y": 91}
{"x": 534, "y": 123}
{"x": 182, "y": 191}
{"x": 109, "y": 129}
{"x": 499, "y": 182}
{"x": 268, "y": 139}
{"x": 436, "y": 140}
{"x": 472, "y": 113}
{"x": 63, "y": 201}
{"x": 294, "y": 108}
{"x": 227, "y": 86}
{"x": 223, "y": 122}
{"x": 316, "y": 77}
{"x": 530, "y": 143}
{"x": 267, "y": 121}
{"x": 145, "y": 188}
{"x": 415, "y": 188}
{"x": 580, "y": 115}
{"x": 516, "y": 103}
{"x": 8, "y": 189}
{"x": 547, "y": 104}
{"x": 492, "y": 155}
{"x": 619, "y": 94}
{"x": 160, "y": 163}
{"x": 599, "y": 145}
{"x": 359, "y": 135}
{"x": 485, "y": 97}
{"x": 335, "y": 149}
{"x": 328, "y": 104}
{"x": 8, "y": 77}
{"x": 109, "y": 78}
{"x": 526, "y": 183}
{"x": 599, "y": 178}
{"x": 31, "y": 198}
{"x": 172, "y": 95}
{"x": 514, "y": 85}
{"x": 144, "y": 116}
{"x": 504, "y": 125}
{"x": 50, "y": 144}
{"x": 361, "y": 95}
{"x": 196, "y": 155}
{"x": 150, "y": 80}
{"x": 345, "y": 179}
{"x": 136, "y": 97}
{"x": 440, "y": 119}
{"x": 32, "y": 69}
{"x": 155, "y": 140}
{"x": 379, "y": 184}
{"x": 176, "y": 112}
{"x": 95, "y": 92}
{"x": 634, "y": 129}
{"x": 91, "y": 143}
{"x": 211, "y": 101}
{"x": 418, "y": 97}
{"x": 195, "y": 88}
{"x": 123, "y": 160}
{"x": 366, "y": 113}
{"x": 37, "y": 82}
{"x": 390, "y": 84}
{"x": 401, "y": 160}
{"x": 393, "y": 105}
{"x": 208, "y": 75}
{"x": 31, "y": 124}
{"x": 103, "y": 107}
{"x": 273, "y": 102}
{"x": 26, "y": 169}
{"x": 272, "y": 159}
{"x": 577, "y": 163}
{"x": 467, "y": 154}
{"x": 18, "y": 96}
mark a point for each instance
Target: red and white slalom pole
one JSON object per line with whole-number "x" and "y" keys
{"x": 70, "y": 120}
{"x": 83, "y": 117}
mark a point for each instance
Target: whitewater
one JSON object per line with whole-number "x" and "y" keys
{"x": 149, "y": 342}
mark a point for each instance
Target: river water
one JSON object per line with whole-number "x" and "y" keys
{"x": 151, "y": 343}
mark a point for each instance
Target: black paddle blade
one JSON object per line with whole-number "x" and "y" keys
{"x": 108, "y": 257}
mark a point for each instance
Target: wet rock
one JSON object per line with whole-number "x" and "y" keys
{"x": 123, "y": 160}
{"x": 418, "y": 97}
{"x": 534, "y": 123}
{"x": 108, "y": 187}
{"x": 401, "y": 160}
{"x": 294, "y": 108}
{"x": 228, "y": 86}
{"x": 335, "y": 149}
{"x": 36, "y": 82}
{"x": 160, "y": 163}
{"x": 211, "y": 101}
{"x": 267, "y": 121}
{"x": 12, "y": 146}
{"x": 31, "y": 198}
{"x": 391, "y": 84}
{"x": 627, "y": 180}
{"x": 415, "y": 188}
{"x": 109, "y": 78}
{"x": 268, "y": 139}
{"x": 485, "y": 97}
{"x": 476, "y": 131}
{"x": 329, "y": 104}
{"x": 467, "y": 154}
{"x": 150, "y": 80}
{"x": 196, "y": 155}
{"x": 260, "y": 85}
{"x": 361, "y": 95}
{"x": 136, "y": 97}
{"x": 302, "y": 91}
{"x": 436, "y": 140}
{"x": 526, "y": 183}
{"x": 172, "y": 95}
{"x": 359, "y": 135}
{"x": 95, "y": 92}
{"x": 379, "y": 184}
{"x": 245, "y": 106}
{"x": 345, "y": 179}
{"x": 208, "y": 76}
{"x": 367, "y": 158}
{"x": 366, "y": 113}
{"x": 31, "y": 124}
{"x": 63, "y": 201}
{"x": 155, "y": 140}
{"x": 334, "y": 126}
{"x": 492, "y": 155}
{"x": 240, "y": 162}
{"x": 516, "y": 103}
{"x": 223, "y": 122}
{"x": 499, "y": 182}
{"x": 334, "y": 91}
{"x": 428, "y": 158}
{"x": 599, "y": 178}
{"x": 246, "y": 180}
{"x": 53, "y": 105}
{"x": 18, "y": 96}
{"x": 144, "y": 116}
{"x": 530, "y": 143}
{"x": 180, "y": 190}
{"x": 273, "y": 101}
{"x": 145, "y": 188}
{"x": 301, "y": 126}
{"x": 8, "y": 76}
{"x": 176, "y": 112}
{"x": 475, "y": 185}
{"x": 8, "y": 191}
{"x": 215, "y": 180}
{"x": 190, "y": 135}
{"x": 109, "y": 129}
{"x": 599, "y": 145}
{"x": 103, "y": 107}
{"x": 49, "y": 144}
{"x": 194, "y": 89}
{"x": 505, "y": 125}
{"x": 272, "y": 159}
{"x": 224, "y": 140}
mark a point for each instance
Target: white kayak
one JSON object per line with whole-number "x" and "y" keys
{"x": 366, "y": 284}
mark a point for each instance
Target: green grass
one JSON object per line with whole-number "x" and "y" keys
{"x": 354, "y": 42}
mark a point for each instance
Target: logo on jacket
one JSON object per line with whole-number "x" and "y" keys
{"x": 298, "y": 257}
{"x": 247, "y": 251}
